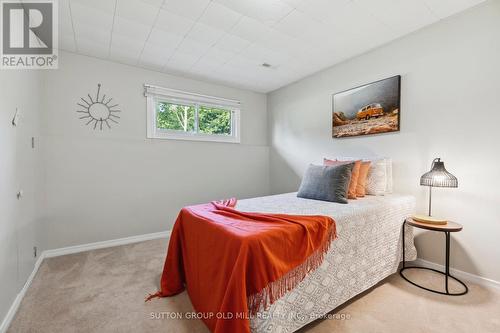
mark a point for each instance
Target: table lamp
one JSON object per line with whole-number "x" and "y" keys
{"x": 437, "y": 177}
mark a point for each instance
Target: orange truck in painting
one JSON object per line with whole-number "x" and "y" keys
{"x": 373, "y": 110}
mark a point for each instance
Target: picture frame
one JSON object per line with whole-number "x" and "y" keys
{"x": 368, "y": 109}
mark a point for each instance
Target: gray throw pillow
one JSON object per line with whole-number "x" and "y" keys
{"x": 326, "y": 183}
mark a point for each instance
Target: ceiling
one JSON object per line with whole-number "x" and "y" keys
{"x": 227, "y": 41}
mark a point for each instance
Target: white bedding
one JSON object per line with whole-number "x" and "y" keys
{"x": 367, "y": 250}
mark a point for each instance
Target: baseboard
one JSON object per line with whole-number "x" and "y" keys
{"x": 482, "y": 281}
{"x": 70, "y": 250}
{"x": 104, "y": 244}
{"x": 17, "y": 301}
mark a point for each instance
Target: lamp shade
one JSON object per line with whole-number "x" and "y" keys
{"x": 438, "y": 176}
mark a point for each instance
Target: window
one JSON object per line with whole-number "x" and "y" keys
{"x": 179, "y": 115}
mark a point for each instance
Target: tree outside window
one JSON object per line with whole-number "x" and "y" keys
{"x": 193, "y": 118}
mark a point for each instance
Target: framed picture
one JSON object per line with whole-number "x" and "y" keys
{"x": 369, "y": 109}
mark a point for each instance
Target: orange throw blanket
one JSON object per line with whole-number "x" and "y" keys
{"x": 234, "y": 263}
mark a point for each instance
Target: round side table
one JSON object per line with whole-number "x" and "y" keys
{"x": 447, "y": 229}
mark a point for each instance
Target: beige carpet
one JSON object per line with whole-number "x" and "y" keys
{"x": 103, "y": 291}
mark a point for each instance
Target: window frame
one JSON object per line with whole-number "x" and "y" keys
{"x": 155, "y": 94}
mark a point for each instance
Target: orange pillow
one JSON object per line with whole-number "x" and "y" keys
{"x": 351, "y": 192}
{"x": 363, "y": 173}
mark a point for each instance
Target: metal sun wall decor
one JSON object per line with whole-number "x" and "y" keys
{"x": 98, "y": 111}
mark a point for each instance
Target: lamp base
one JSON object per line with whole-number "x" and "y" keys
{"x": 429, "y": 219}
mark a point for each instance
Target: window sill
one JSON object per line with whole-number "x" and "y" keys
{"x": 195, "y": 137}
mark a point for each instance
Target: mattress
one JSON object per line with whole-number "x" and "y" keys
{"x": 367, "y": 250}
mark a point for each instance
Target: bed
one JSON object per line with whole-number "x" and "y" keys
{"x": 367, "y": 250}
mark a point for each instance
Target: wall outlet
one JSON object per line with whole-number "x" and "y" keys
{"x": 35, "y": 251}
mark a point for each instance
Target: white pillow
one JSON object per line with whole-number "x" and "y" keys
{"x": 376, "y": 181}
{"x": 388, "y": 164}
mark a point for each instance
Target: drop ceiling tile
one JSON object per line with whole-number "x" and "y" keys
{"x": 205, "y": 34}
{"x": 64, "y": 17}
{"x": 354, "y": 19}
{"x": 91, "y": 16}
{"x": 273, "y": 76}
{"x": 303, "y": 66}
{"x": 91, "y": 32}
{"x": 243, "y": 63}
{"x": 402, "y": 15}
{"x": 132, "y": 29}
{"x": 280, "y": 42}
{"x": 219, "y": 16}
{"x": 257, "y": 52}
{"x": 193, "y": 47}
{"x": 126, "y": 44}
{"x": 218, "y": 56}
{"x": 137, "y": 11}
{"x": 181, "y": 61}
{"x": 162, "y": 37}
{"x": 250, "y": 29}
{"x": 266, "y": 11}
{"x": 322, "y": 9}
{"x": 324, "y": 36}
{"x": 163, "y": 51}
{"x": 230, "y": 73}
{"x": 356, "y": 29}
{"x": 297, "y": 23}
{"x": 205, "y": 68}
{"x": 191, "y": 9}
{"x": 294, "y": 3}
{"x": 92, "y": 48}
{"x": 157, "y": 55}
{"x": 173, "y": 23}
{"x": 156, "y": 3}
{"x": 67, "y": 42}
{"x": 232, "y": 43}
{"x": 65, "y": 29}
{"x": 228, "y": 40}
{"x": 445, "y": 8}
{"x": 63, "y": 5}
{"x": 106, "y": 6}
{"x": 264, "y": 55}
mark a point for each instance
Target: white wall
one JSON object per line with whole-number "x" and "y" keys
{"x": 115, "y": 183}
{"x": 450, "y": 109}
{"x": 20, "y": 169}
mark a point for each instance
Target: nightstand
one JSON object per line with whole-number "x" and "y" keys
{"x": 447, "y": 228}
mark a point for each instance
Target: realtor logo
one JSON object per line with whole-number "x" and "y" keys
{"x": 29, "y": 34}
